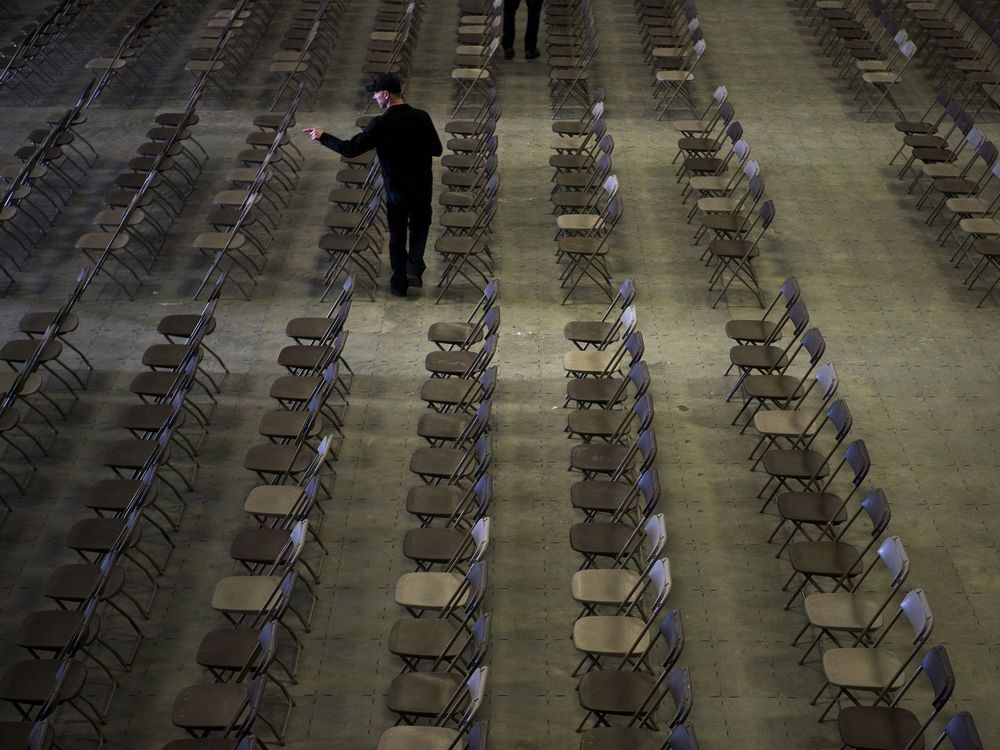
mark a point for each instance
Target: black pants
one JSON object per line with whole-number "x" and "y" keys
{"x": 407, "y": 213}
{"x": 531, "y": 32}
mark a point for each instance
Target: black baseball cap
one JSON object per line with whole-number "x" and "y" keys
{"x": 386, "y": 82}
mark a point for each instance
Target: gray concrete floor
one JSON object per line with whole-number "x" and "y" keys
{"x": 916, "y": 358}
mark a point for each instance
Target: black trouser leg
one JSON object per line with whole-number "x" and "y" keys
{"x": 397, "y": 212}
{"x": 509, "y": 13}
{"x": 531, "y": 32}
{"x": 420, "y": 224}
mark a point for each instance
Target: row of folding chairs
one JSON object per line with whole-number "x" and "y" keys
{"x": 629, "y": 641}
{"x": 849, "y": 571}
{"x": 585, "y": 198}
{"x": 571, "y": 46}
{"x": 80, "y": 648}
{"x": 441, "y": 689}
{"x": 271, "y": 602}
{"x": 246, "y": 211}
{"x": 390, "y": 41}
{"x": 473, "y": 76}
{"x": 959, "y": 36}
{"x": 957, "y": 167}
{"x": 47, "y": 44}
{"x": 304, "y": 49}
{"x": 470, "y": 182}
{"x": 43, "y": 347}
{"x": 728, "y": 191}
{"x": 36, "y": 189}
{"x": 136, "y": 48}
{"x": 673, "y": 43}
{"x": 131, "y": 229}
{"x": 865, "y": 39}
{"x": 866, "y": 48}
{"x": 228, "y": 42}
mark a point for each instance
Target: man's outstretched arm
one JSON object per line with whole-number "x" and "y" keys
{"x": 359, "y": 144}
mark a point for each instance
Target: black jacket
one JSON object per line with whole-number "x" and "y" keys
{"x": 405, "y": 140}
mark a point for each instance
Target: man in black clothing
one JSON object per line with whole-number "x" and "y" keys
{"x": 530, "y": 33}
{"x": 405, "y": 140}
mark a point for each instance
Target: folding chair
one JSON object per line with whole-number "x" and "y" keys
{"x": 602, "y": 363}
{"x": 855, "y": 613}
{"x": 475, "y": 79}
{"x": 624, "y": 636}
{"x": 767, "y": 357}
{"x": 868, "y": 726}
{"x": 703, "y": 123}
{"x": 620, "y": 537}
{"x": 876, "y": 86}
{"x": 601, "y": 333}
{"x": 961, "y": 733}
{"x": 619, "y": 586}
{"x": 676, "y": 83}
{"x": 877, "y": 668}
{"x": 638, "y": 697}
{"x": 837, "y": 559}
{"x": 440, "y": 736}
{"x": 803, "y": 463}
{"x": 762, "y": 330}
{"x": 586, "y": 256}
{"x": 735, "y": 256}
{"x": 569, "y": 77}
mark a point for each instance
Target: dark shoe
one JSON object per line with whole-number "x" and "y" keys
{"x": 396, "y": 293}
{"x": 414, "y": 280}
{"x": 531, "y": 54}
{"x": 508, "y": 53}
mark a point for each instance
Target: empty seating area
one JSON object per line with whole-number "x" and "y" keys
{"x": 687, "y": 439}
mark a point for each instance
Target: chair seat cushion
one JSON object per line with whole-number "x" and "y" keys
{"x": 599, "y": 538}
{"x": 879, "y": 727}
{"x": 620, "y": 738}
{"x": 613, "y": 691}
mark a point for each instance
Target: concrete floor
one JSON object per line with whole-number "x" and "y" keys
{"x": 917, "y": 363}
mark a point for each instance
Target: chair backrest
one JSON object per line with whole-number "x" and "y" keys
{"x": 475, "y": 685}
{"x": 937, "y": 667}
{"x": 876, "y": 507}
{"x": 646, "y": 443}
{"x": 918, "y": 612}
{"x": 638, "y": 375}
{"x": 961, "y": 733}
{"x": 478, "y": 736}
{"x": 655, "y": 531}
{"x": 671, "y": 629}
{"x": 682, "y": 737}
{"x": 856, "y": 456}
{"x": 480, "y": 534}
{"x": 840, "y": 417}
{"x": 766, "y": 213}
{"x": 814, "y": 343}
{"x": 897, "y": 563}
{"x": 826, "y": 377}
{"x": 39, "y": 738}
{"x": 679, "y": 687}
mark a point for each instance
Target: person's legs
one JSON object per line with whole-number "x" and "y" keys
{"x": 509, "y": 14}
{"x": 397, "y": 216}
{"x": 420, "y": 224}
{"x": 531, "y": 32}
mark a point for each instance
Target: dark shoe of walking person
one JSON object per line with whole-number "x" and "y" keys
{"x": 396, "y": 292}
{"x": 531, "y": 54}
{"x": 508, "y": 53}
{"x": 414, "y": 280}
